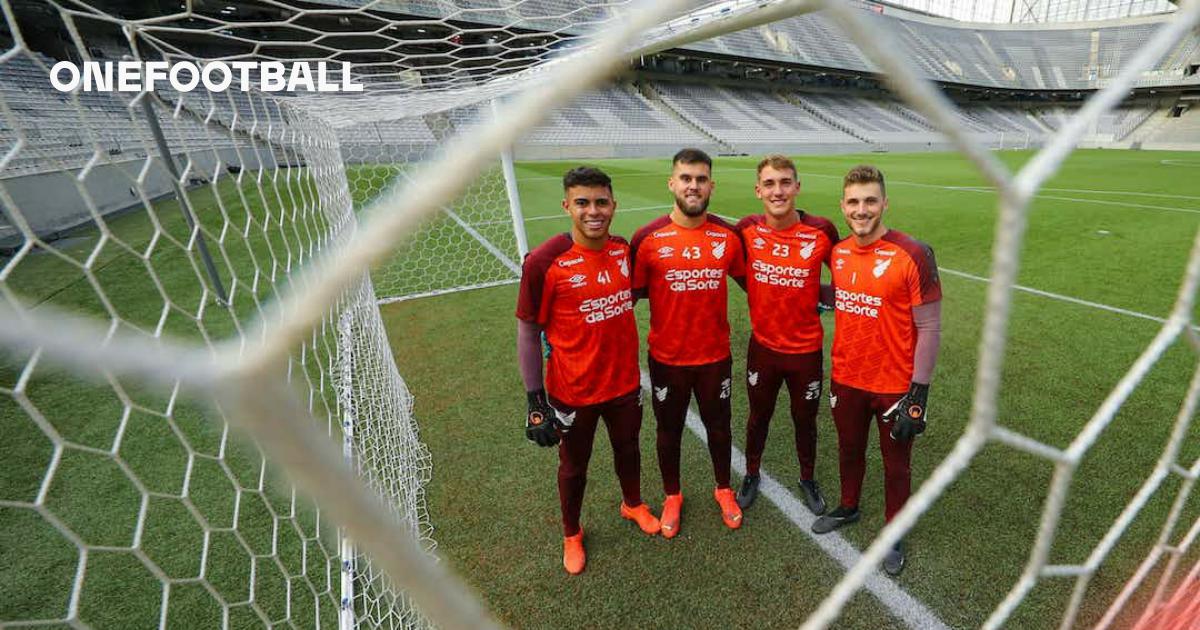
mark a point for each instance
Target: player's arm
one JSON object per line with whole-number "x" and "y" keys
{"x": 737, "y": 263}
{"x": 825, "y": 301}
{"x": 640, "y": 280}
{"x": 909, "y": 412}
{"x": 540, "y": 420}
{"x": 926, "y": 292}
{"x": 533, "y": 310}
{"x": 827, "y": 296}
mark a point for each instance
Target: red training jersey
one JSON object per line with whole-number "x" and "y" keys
{"x": 783, "y": 280}
{"x": 684, "y": 273}
{"x": 875, "y": 288}
{"x": 583, "y": 299}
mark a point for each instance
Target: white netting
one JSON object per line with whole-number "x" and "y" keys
{"x": 120, "y": 492}
{"x": 470, "y": 243}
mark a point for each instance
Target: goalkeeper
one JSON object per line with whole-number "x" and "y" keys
{"x": 576, "y": 289}
{"x": 887, "y": 304}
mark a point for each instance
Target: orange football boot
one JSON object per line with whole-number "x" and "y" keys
{"x": 574, "y": 557}
{"x": 642, "y": 516}
{"x": 730, "y": 512}
{"x": 672, "y": 506}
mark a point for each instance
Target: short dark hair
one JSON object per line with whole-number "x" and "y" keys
{"x": 586, "y": 176}
{"x": 865, "y": 174}
{"x": 692, "y": 156}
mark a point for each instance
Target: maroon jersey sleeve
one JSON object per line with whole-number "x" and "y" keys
{"x": 927, "y": 285}
{"x": 737, "y": 259}
{"x": 641, "y": 276}
{"x": 533, "y": 276}
{"x": 827, "y": 228}
{"x": 924, "y": 285}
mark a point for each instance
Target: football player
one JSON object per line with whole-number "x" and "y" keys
{"x": 576, "y": 289}
{"x": 887, "y": 305}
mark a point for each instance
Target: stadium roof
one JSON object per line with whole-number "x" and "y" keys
{"x": 1036, "y": 11}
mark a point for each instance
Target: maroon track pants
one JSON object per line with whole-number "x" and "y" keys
{"x": 623, "y": 417}
{"x": 671, "y": 391}
{"x": 766, "y": 372}
{"x": 853, "y": 409}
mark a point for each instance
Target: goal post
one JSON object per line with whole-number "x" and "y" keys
{"x": 476, "y": 240}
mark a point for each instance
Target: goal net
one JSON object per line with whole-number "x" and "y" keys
{"x": 203, "y": 419}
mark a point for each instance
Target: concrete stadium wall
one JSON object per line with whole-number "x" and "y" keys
{"x": 1172, "y": 146}
{"x": 53, "y": 203}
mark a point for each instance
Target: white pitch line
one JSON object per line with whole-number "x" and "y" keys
{"x": 1122, "y": 192}
{"x": 905, "y": 607}
{"x": 1060, "y": 297}
{"x": 492, "y": 249}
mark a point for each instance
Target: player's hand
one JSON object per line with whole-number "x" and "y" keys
{"x": 907, "y": 416}
{"x": 542, "y": 422}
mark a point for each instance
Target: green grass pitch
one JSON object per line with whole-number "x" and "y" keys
{"x": 1112, "y": 227}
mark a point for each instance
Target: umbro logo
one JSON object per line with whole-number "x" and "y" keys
{"x": 660, "y": 393}
{"x": 806, "y": 251}
{"x": 578, "y": 280}
{"x": 839, "y": 263}
{"x": 759, "y": 242}
{"x": 666, "y": 251}
{"x": 752, "y": 378}
{"x": 881, "y": 266}
{"x": 718, "y": 249}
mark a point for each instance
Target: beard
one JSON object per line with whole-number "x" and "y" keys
{"x": 689, "y": 210}
{"x": 866, "y": 230}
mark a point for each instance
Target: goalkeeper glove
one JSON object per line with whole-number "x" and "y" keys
{"x": 908, "y": 414}
{"x": 541, "y": 422}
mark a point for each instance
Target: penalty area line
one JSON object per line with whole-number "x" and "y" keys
{"x": 899, "y": 602}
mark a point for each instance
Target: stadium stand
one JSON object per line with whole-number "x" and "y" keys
{"x": 877, "y": 122}
{"x": 751, "y": 120}
{"x": 1175, "y": 132}
{"x": 103, "y": 132}
{"x": 612, "y": 116}
{"x": 1018, "y": 56}
{"x": 1021, "y": 56}
{"x": 63, "y": 135}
